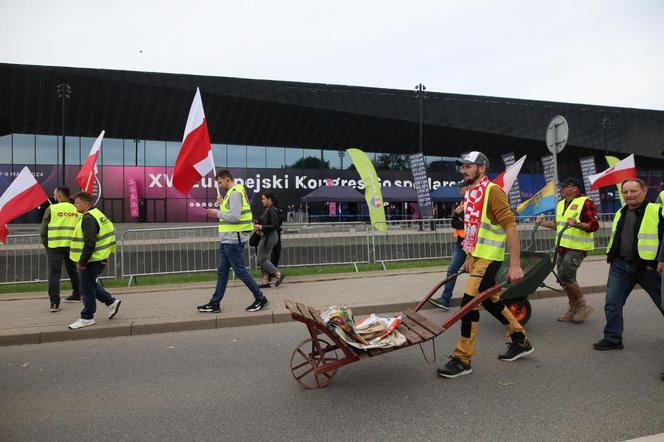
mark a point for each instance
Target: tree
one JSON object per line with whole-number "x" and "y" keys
{"x": 391, "y": 161}
{"x": 311, "y": 163}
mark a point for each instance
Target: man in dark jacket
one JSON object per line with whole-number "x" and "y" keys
{"x": 635, "y": 254}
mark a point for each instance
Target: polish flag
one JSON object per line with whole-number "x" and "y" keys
{"x": 195, "y": 158}
{"x": 615, "y": 174}
{"x": 86, "y": 177}
{"x": 22, "y": 195}
{"x": 506, "y": 179}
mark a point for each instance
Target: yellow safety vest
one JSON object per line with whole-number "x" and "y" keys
{"x": 105, "y": 244}
{"x": 660, "y": 198}
{"x": 490, "y": 237}
{"x": 64, "y": 218}
{"x": 246, "y": 223}
{"x": 573, "y": 238}
{"x": 648, "y": 236}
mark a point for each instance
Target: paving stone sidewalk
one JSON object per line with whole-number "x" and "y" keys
{"x": 25, "y": 317}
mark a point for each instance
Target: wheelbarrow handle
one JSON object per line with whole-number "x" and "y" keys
{"x": 437, "y": 287}
{"x": 558, "y": 239}
{"x": 477, "y": 299}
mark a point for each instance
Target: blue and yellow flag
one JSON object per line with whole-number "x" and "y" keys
{"x": 372, "y": 189}
{"x": 542, "y": 201}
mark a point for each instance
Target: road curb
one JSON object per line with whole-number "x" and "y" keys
{"x": 210, "y": 321}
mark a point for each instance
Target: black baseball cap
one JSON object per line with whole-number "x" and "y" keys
{"x": 473, "y": 157}
{"x": 571, "y": 181}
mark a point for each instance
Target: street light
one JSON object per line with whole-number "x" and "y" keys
{"x": 342, "y": 154}
{"x": 420, "y": 92}
{"x": 64, "y": 92}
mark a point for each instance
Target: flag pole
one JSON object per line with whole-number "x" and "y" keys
{"x": 214, "y": 175}
{"x": 87, "y": 183}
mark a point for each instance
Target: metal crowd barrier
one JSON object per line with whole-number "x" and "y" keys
{"x": 163, "y": 251}
{"x": 23, "y": 260}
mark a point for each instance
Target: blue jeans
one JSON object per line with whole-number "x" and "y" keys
{"x": 91, "y": 291}
{"x": 230, "y": 255}
{"x": 622, "y": 279}
{"x": 458, "y": 258}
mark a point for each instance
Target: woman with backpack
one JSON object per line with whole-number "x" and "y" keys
{"x": 268, "y": 226}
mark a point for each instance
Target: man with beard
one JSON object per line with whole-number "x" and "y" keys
{"x": 489, "y": 224}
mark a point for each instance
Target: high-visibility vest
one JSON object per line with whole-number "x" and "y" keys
{"x": 490, "y": 237}
{"x": 105, "y": 244}
{"x": 573, "y": 238}
{"x": 648, "y": 236}
{"x": 660, "y": 198}
{"x": 245, "y": 224}
{"x": 64, "y": 218}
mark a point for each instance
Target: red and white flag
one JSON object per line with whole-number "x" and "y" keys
{"x": 615, "y": 174}
{"x": 195, "y": 158}
{"x": 506, "y": 179}
{"x": 86, "y": 177}
{"x": 22, "y": 195}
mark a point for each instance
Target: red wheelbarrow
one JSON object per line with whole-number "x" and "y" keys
{"x": 315, "y": 361}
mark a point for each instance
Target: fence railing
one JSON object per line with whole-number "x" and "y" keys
{"x": 172, "y": 250}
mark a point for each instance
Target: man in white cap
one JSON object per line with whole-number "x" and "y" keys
{"x": 489, "y": 225}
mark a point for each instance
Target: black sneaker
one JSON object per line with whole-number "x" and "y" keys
{"x": 209, "y": 308}
{"x": 259, "y": 304}
{"x": 516, "y": 351}
{"x": 441, "y": 304}
{"x": 55, "y": 307}
{"x": 454, "y": 368}
{"x": 607, "y": 345}
{"x": 74, "y": 297}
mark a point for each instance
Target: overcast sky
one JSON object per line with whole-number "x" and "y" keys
{"x": 596, "y": 52}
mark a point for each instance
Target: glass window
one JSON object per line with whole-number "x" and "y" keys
{"x": 112, "y": 151}
{"x": 237, "y": 156}
{"x": 155, "y": 153}
{"x": 332, "y": 158}
{"x": 48, "y": 149}
{"x": 172, "y": 151}
{"x": 24, "y": 149}
{"x": 73, "y": 150}
{"x": 219, "y": 154}
{"x": 86, "y": 146}
{"x": 256, "y": 156}
{"x": 6, "y": 149}
{"x": 274, "y": 157}
{"x": 293, "y": 155}
{"x": 133, "y": 149}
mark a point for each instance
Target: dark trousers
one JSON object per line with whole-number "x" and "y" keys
{"x": 56, "y": 257}
{"x": 91, "y": 290}
{"x": 623, "y": 276}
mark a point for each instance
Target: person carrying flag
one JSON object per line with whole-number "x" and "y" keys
{"x": 578, "y": 212}
{"x": 489, "y": 225}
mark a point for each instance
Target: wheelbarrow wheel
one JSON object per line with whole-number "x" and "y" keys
{"x": 521, "y": 309}
{"x": 309, "y": 355}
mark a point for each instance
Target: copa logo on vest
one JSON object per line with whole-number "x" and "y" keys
{"x": 69, "y": 214}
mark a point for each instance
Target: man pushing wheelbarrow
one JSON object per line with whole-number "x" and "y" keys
{"x": 489, "y": 224}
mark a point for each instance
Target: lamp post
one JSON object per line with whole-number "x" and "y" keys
{"x": 64, "y": 92}
{"x": 342, "y": 154}
{"x": 419, "y": 93}
{"x": 606, "y": 124}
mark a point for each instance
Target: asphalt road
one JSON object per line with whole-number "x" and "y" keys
{"x": 235, "y": 384}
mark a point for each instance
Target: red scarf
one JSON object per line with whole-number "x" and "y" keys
{"x": 473, "y": 214}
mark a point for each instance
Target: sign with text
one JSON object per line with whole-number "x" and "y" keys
{"x": 515, "y": 192}
{"x": 421, "y": 184}
{"x": 588, "y": 168}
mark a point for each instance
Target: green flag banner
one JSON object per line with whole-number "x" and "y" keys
{"x": 372, "y": 192}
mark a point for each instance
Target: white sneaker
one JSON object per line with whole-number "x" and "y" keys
{"x": 80, "y": 323}
{"x": 113, "y": 308}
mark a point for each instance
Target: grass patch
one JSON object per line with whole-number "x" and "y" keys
{"x": 183, "y": 278}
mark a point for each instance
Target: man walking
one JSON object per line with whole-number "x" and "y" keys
{"x": 92, "y": 244}
{"x": 235, "y": 224}
{"x": 57, "y": 229}
{"x": 458, "y": 256}
{"x": 489, "y": 224}
{"x": 635, "y": 256}
{"x": 579, "y": 213}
